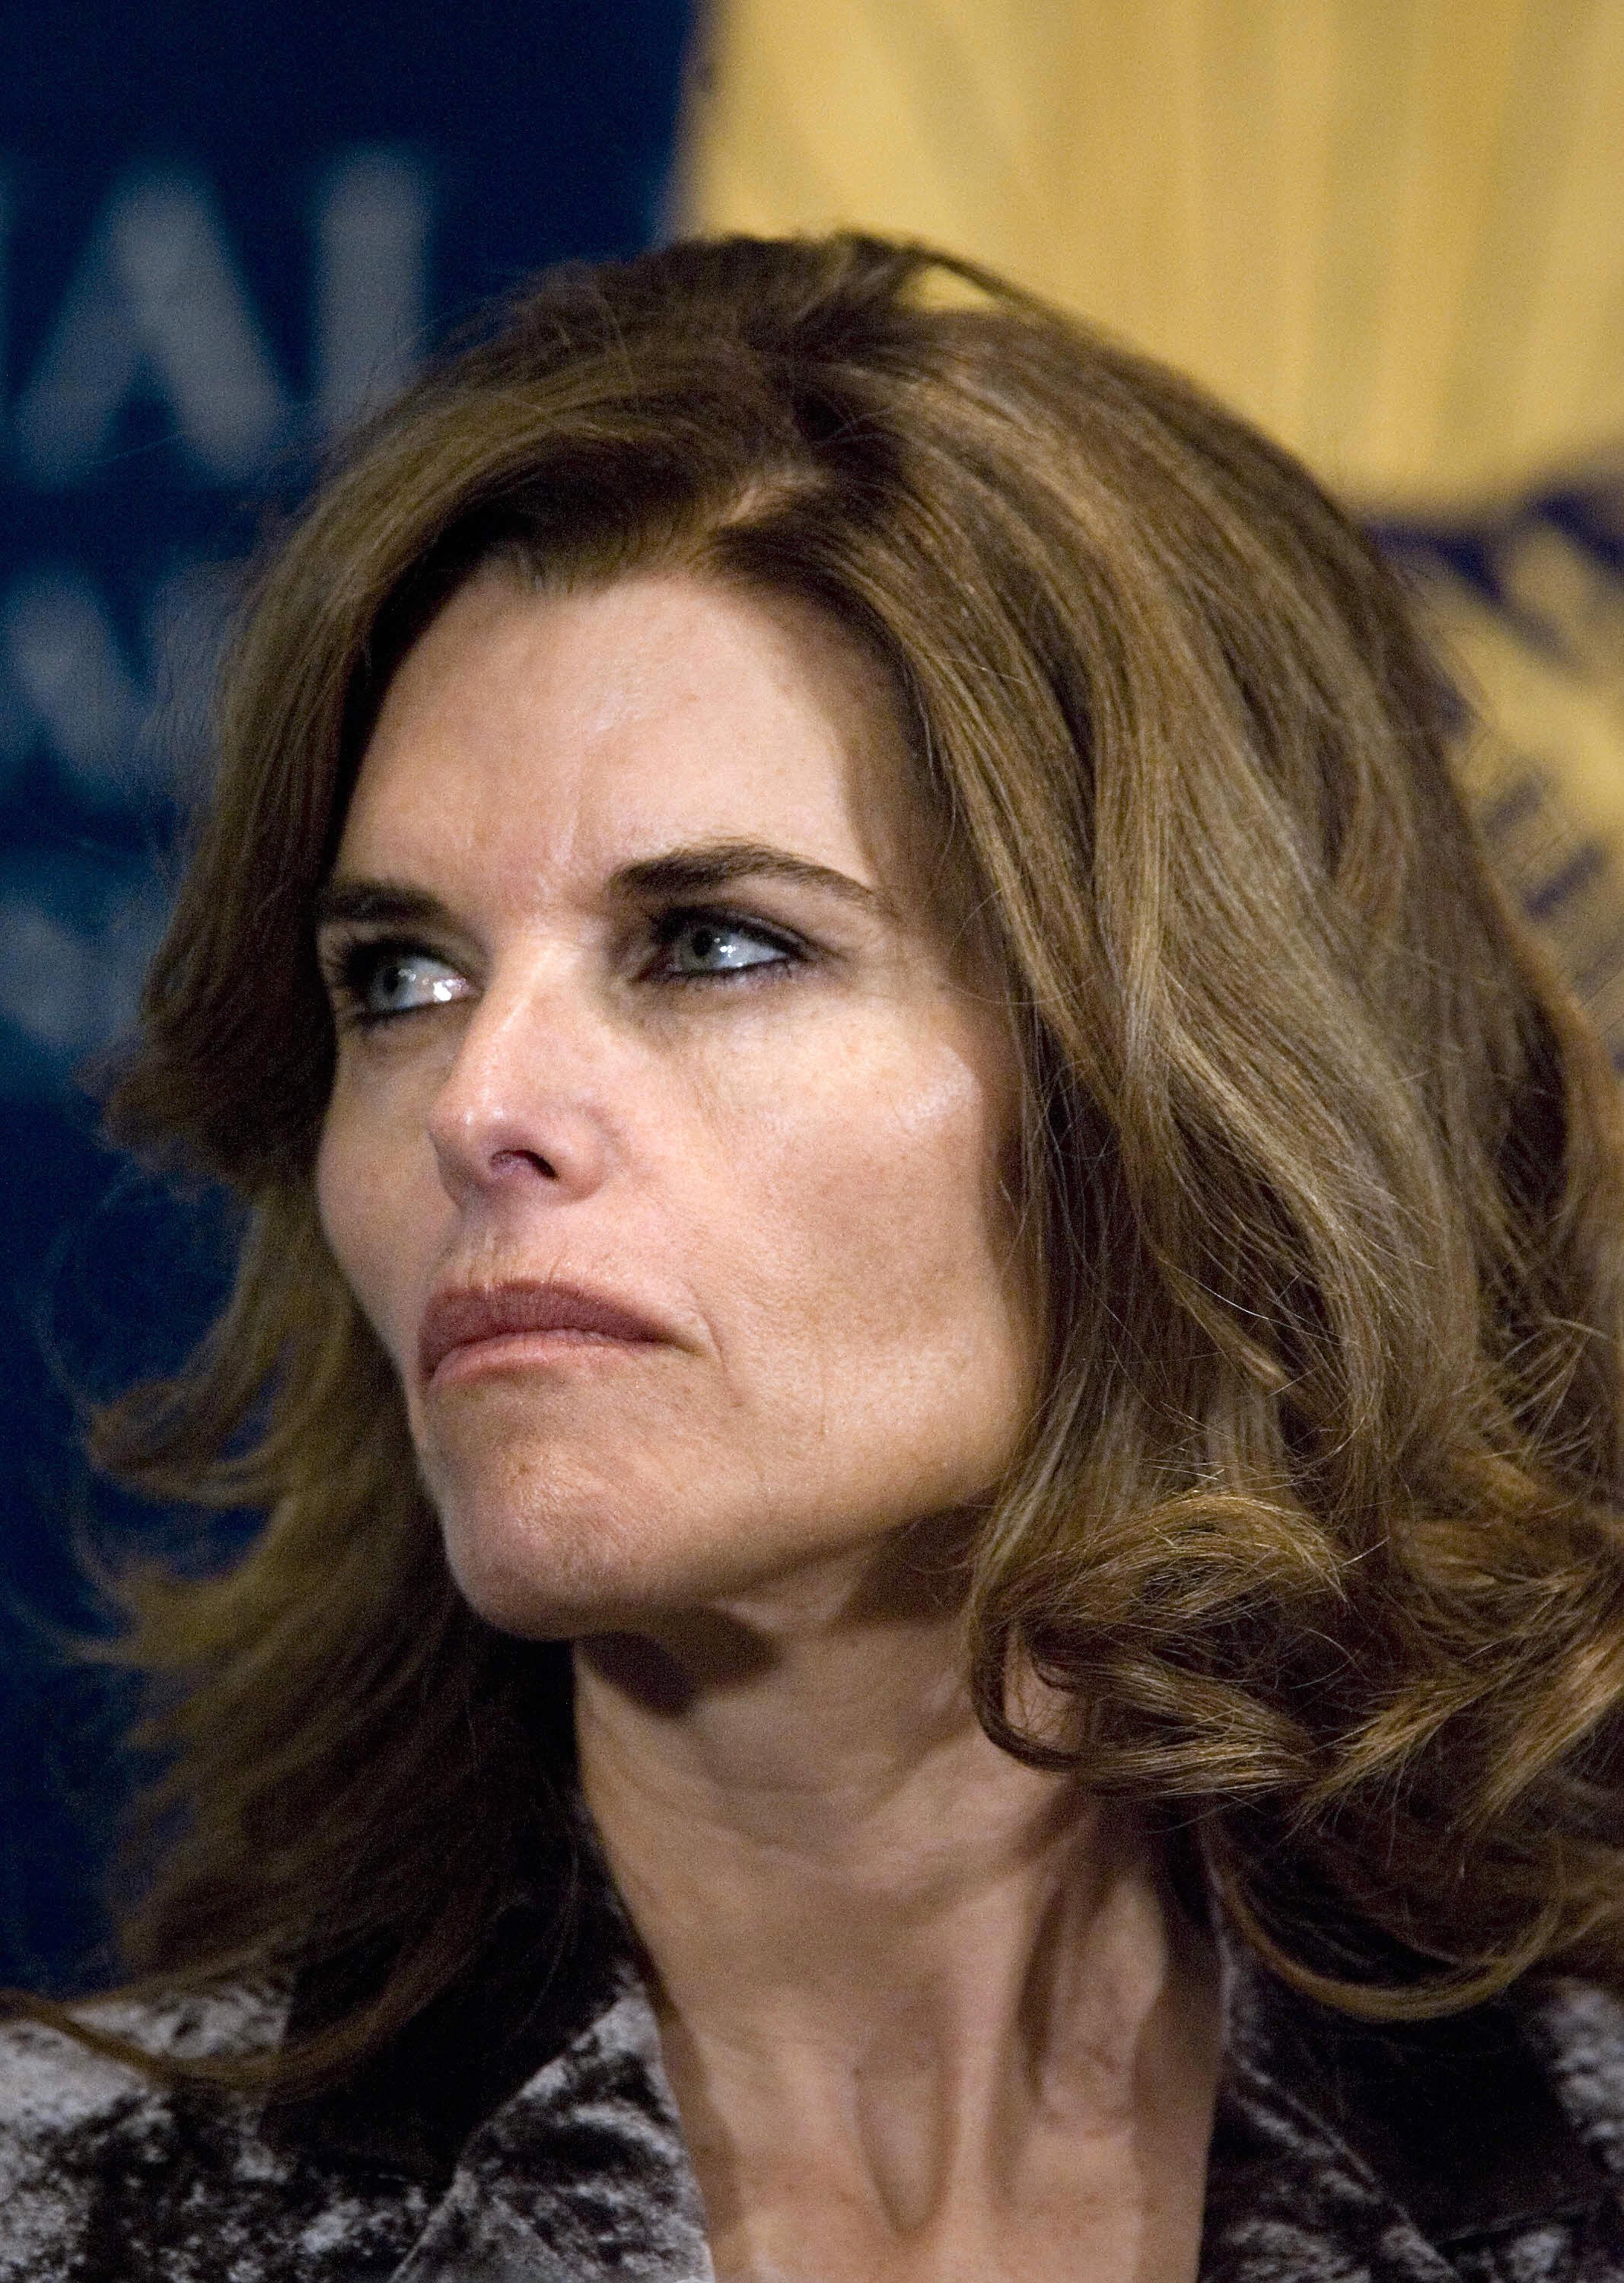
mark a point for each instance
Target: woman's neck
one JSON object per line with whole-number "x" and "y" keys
{"x": 898, "y": 1971}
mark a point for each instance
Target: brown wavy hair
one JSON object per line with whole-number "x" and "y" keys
{"x": 1317, "y": 1525}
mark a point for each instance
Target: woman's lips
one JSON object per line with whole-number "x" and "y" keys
{"x": 460, "y": 1323}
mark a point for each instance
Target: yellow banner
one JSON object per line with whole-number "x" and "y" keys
{"x": 1390, "y": 230}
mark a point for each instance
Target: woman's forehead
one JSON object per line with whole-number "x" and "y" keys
{"x": 590, "y": 728}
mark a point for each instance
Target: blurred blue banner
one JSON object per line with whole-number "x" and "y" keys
{"x": 224, "y": 229}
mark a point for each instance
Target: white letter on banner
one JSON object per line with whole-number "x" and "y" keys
{"x": 371, "y": 284}
{"x": 68, "y": 680}
{"x": 157, "y": 302}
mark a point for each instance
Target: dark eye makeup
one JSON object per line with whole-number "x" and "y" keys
{"x": 699, "y": 945}
{"x": 374, "y": 980}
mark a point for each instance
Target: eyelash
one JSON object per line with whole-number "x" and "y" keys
{"x": 351, "y": 970}
{"x": 792, "y": 951}
{"x": 352, "y": 966}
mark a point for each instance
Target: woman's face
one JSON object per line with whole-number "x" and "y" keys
{"x": 670, "y": 1144}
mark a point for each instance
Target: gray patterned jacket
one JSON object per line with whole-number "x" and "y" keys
{"x": 522, "y": 2128}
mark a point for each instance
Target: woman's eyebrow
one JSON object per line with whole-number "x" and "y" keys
{"x": 695, "y": 870}
{"x": 709, "y": 865}
{"x": 377, "y": 903}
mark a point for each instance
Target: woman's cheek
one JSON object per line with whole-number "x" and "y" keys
{"x": 358, "y": 1199}
{"x": 870, "y": 1185}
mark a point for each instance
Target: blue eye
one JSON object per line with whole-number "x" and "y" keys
{"x": 698, "y": 944}
{"x": 378, "y": 981}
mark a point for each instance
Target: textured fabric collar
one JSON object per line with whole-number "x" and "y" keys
{"x": 544, "y": 2137}
{"x": 521, "y": 2130}
{"x": 583, "y": 2174}
{"x": 1404, "y": 2154}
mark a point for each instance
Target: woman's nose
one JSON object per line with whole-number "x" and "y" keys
{"x": 521, "y": 1108}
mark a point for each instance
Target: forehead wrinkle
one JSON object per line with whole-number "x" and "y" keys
{"x": 603, "y": 698}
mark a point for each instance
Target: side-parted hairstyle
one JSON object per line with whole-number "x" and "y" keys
{"x": 1317, "y": 1525}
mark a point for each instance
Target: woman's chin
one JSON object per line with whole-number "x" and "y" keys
{"x": 548, "y": 1560}
{"x": 580, "y": 1566}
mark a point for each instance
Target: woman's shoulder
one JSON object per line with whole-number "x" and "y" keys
{"x": 48, "y": 2074}
{"x": 99, "y": 2158}
{"x": 52, "y": 2082}
{"x": 1577, "y": 2029}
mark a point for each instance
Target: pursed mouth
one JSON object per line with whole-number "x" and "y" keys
{"x": 465, "y": 1317}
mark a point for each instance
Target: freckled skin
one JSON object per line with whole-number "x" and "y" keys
{"x": 796, "y": 1170}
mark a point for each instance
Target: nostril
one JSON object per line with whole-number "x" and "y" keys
{"x": 523, "y": 1161}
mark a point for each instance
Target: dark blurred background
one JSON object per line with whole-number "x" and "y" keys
{"x": 223, "y": 226}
